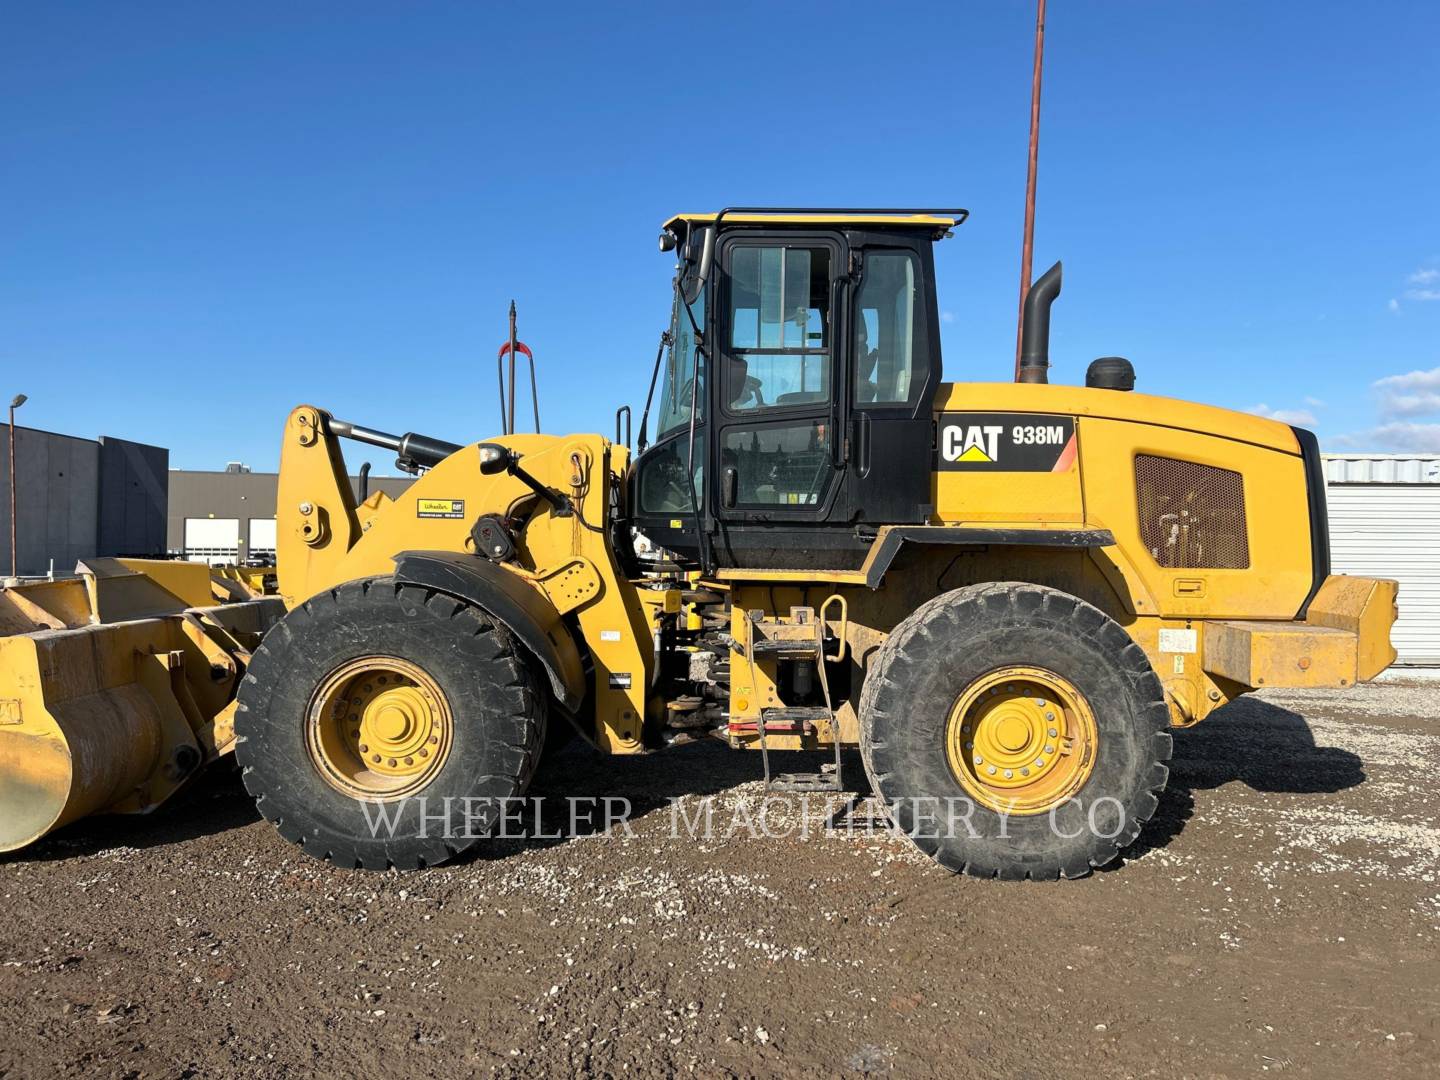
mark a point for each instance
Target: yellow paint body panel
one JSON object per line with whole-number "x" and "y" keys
{"x": 1098, "y": 491}
{"x": 1295, "y": 654}
{"x": 567, "y": 560}
{"x": 1344, "y": 639}
{"x": 1365, "y": 607}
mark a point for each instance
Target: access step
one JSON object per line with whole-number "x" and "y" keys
{"x": 827, "y": 779}
{"x": 787, "y": 647}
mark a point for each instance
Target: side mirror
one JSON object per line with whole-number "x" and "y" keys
{"x": 695, "y": 282}
{"x": 494, "y": 459}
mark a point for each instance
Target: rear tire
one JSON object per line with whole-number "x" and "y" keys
{"x": 986, "y": 661}
{"x": 466, "y": 706}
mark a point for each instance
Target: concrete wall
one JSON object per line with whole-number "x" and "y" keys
{"x": 57, "y": 499}
{"x": 134, "y": 493}
{"x": 237, "y": 495}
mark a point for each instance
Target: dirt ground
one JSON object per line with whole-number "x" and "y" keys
{"x": 1280, "y": 915}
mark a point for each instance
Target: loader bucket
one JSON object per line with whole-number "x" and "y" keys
{"x": 115, "y": 690}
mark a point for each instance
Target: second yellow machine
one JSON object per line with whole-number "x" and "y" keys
{"x": 1005, "y": 594}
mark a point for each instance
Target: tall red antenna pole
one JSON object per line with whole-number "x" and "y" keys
{"x": 1027, "y": 248}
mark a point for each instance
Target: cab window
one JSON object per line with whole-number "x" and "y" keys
{"x": 779, "y": 334}
{"x": 888, "y": 369}
{"x": 681, "y": 368}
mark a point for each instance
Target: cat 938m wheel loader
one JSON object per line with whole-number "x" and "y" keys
{"x": 1005, "y": 594}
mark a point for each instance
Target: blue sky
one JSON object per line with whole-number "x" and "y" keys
{"x": 211, "y": 212}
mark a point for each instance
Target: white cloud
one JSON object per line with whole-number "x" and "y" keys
{"x": 1416, "y": 393}
{"x": 1412, "y": 380}
{"x": 1400, "y": 436}
{"x": 1314, "y": 402}
{"x": 947, "y": 316}
{"x": 1285, "y": 416}
{"x": 1424, "y": 287}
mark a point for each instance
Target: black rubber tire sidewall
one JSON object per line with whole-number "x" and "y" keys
{"x": 961, "y": 636}
{"x": 497, "y": 703}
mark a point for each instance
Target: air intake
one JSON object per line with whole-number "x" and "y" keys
{"x": 1191, "y": 516}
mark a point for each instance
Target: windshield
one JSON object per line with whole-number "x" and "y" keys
{"x": 675, "y": 390}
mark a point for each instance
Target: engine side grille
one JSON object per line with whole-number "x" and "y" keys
{"x": 1191, "y": 516}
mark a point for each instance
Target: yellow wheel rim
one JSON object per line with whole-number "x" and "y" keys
{"x": 378, "y": 728}
{"x": 1021, "y": 740}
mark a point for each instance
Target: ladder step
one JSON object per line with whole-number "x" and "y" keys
{"x": 827, "y": 779}
{"x": 802, "y": 714}
{"x": 779, "y": 646}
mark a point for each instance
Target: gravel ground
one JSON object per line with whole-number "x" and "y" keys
{"x": 1279, "y": 915}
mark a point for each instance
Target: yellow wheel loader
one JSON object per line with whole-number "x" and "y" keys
{"x": 1004, "y": 594}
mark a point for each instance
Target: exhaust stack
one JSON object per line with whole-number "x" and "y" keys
{"x": 1035, "y": 327}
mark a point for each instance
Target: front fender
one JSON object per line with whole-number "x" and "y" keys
{"x": 523, "y": 609}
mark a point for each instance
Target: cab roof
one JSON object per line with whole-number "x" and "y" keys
{"x": 940, "y": 221}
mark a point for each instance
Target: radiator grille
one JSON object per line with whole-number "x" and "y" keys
{"x": 1191, "y": 516}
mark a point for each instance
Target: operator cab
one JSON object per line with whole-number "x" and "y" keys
{"x": 802, "y": 365}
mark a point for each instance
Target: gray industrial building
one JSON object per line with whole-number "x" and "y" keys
{"x": 77, "y": 498}
{"x": 229, "y": 516}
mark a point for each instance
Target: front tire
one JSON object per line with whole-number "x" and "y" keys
{"x": 382, "y": 724}
{"x": 1015, "y": 731}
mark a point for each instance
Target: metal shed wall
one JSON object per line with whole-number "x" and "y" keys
{"x": 1385, "y": 522}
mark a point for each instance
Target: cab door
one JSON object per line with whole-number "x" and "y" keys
{"x": 894, "y": 372}
{"x": 779, "y": 450}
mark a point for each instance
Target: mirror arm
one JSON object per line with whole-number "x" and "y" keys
{"x": 559, "y": 503}
{"x": 666, "y": 340}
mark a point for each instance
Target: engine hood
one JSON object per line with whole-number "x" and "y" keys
{"x": 1116, "y": 405}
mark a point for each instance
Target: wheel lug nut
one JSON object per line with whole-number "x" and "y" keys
{"x": 1053, "y": 733}
{"x": 1039, "y": 763}
{"x": 991, "y": 770}
{"x": 1024, "y": 772}
{"x": 1009, "y": 774}
{"x": 1049, "y": 749}
{"x": 364, "y": 749}
{"x": 979, "y": 760}
{"x": 1049, "y": 716}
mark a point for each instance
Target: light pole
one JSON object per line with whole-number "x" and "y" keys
{"x": 15, "y": 403}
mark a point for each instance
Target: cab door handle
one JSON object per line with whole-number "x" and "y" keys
{"x": 862, "y": 444}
